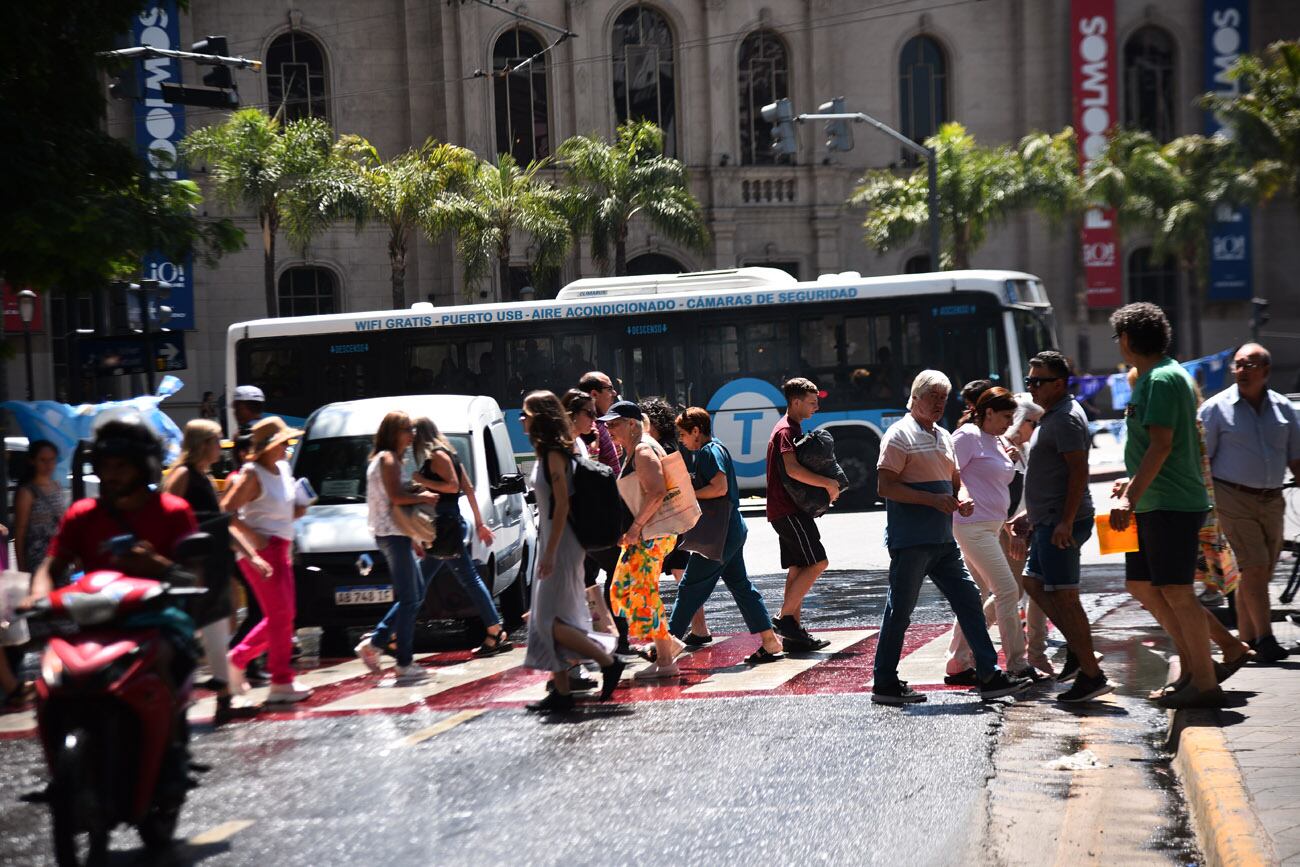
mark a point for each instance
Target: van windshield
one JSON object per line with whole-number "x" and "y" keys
{"x": 336, "y": 466}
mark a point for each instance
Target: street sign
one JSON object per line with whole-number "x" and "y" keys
{"x": 120, "y": 356}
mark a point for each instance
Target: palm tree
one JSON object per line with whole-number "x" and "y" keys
{"x": 1265, "y": 117}
{"x": 361, "y": 186}
{"x": 497, "y": 201}
{"x": 1172, "y": 191}
{"x": 616, "y": 182}
{"x": 979, "y": 188}
{"x": 258, "y": 163}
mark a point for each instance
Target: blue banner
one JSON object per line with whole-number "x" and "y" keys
{"x": 1226, "y": 34}
{"x": 159, "y": 128}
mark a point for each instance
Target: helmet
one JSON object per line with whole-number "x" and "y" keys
{"x": 128, "y": 437}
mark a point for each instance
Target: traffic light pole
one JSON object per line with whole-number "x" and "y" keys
{"x": 920, "y": 150}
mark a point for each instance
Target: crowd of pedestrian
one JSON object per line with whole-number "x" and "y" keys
{"x": 994, "y": 513}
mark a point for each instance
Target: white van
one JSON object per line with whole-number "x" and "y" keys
{"x": 341, "y": 575}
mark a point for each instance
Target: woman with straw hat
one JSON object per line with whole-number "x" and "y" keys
{"x": 265, "y": 504}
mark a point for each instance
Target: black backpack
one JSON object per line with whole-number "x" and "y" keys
{"x": 596, "y": 511}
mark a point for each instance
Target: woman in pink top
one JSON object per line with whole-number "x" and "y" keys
{"x": 986, "y": 469}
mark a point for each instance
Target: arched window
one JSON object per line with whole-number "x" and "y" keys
{"x": 523, "y": 126}
{"x": 1149, "y": 82}
{"x": 644, "y": 77}
{"x": 308, "y": 291}
{"x": 764, "y": 78}
{"x": 923, "y": 89}
{"x": 654, "y": 263}
{"x": 295, "y": 77}
{"x": 918, "y": 264}
{"x": 1152, "y": 280}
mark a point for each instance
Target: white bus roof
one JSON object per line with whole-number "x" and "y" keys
{"x": 603, "y": 297}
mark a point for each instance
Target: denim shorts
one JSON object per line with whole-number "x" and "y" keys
{"x": 1057, "y": 568}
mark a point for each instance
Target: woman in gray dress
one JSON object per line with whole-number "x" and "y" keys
{"x": 559, "y": 628}
{"x": 38, "y": 506}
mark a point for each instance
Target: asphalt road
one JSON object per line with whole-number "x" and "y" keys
{"x": 806, "y": 770}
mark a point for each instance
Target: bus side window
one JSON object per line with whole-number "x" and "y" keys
{"x": 767, "y": 351}
{"x": 869, "y": 357}
{"x": 717, "y": 349}
{"x": 528, "y": 367}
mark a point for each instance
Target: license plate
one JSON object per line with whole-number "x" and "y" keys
{"x": 363, "y": 595}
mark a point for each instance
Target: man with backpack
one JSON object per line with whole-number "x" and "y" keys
{"x": 603, "y": 394}
{"x": 802, "y": 554}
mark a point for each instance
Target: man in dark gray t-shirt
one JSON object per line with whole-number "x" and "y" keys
{"x": 1059, "y": 519}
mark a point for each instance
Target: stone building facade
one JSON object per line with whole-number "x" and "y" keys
{"x": 399, "y": 71}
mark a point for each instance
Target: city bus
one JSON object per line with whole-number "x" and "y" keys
{"x": 724, "y": 340}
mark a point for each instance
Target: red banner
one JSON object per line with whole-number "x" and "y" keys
{"x": 1096, "y": 105}
{"x": 13, "y": 318}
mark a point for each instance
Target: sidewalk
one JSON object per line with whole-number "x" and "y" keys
{"x": 1106, "y": 459}
{"x": 1240, "y": 766}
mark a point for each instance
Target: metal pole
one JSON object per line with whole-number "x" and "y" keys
{"x": 146, "y": 304}
{"x": 935, "y": 248}
{"x": 27, "y": 350}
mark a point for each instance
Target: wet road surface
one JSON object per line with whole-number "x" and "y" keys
{"x": 792, "y": 766}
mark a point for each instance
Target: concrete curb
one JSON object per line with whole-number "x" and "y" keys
{"x": 1223, "y": 816}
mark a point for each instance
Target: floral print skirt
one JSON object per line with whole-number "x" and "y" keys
{"x": 635, "y": 594}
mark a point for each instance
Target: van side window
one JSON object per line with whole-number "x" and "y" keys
{"x": 501, "y": 439}
{"x": 490, "y": 452}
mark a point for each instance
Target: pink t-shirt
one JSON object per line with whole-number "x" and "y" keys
{"x": 986, "y": 471}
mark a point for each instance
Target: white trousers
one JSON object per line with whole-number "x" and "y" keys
{"x": 215, "y": 638}
{"x": 981, "y": 548}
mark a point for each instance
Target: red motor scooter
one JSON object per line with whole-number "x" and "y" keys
{"x": 110, "y": 708}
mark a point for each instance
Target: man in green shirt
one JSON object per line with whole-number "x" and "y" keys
{"x": 1167, "y": 492}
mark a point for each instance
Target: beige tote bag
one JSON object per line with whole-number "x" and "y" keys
{"x": 680, "y": 509}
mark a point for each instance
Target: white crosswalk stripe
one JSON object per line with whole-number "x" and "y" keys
{"x": 925, "y": 665}
{"x": 769, "y": 676}
{"x": 386, "y": 695}
{"x": 537, "y": 691}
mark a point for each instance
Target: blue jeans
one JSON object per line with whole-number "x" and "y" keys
{"x": 408, "y": 590}
{"x": 907, "y": 568}
{"x": 466, "y": 573}
{"x": 1057, "y": 568}
{"x": 702, "y": 576}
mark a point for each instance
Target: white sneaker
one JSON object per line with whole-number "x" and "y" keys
{"x": 369, "y": 654}
{"x": 410, "y": 673}
{"x": 654, "y": 671}
{"x": 287, "y": 693}
{"x": 235, "y": 681}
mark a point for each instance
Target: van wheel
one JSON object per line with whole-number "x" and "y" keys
{"x": 857, "y": 456}
{"x": 514, "y": 599}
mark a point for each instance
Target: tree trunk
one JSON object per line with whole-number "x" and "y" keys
{"x": 504, "y": 277}
{"x": 397, "y": 260}
{"x": 268, "y": 265}
{"x": 960, "y": 248}
{"x": 620, "y": 252}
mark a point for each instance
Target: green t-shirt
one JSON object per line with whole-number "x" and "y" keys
{"x": 1165, "y": 396}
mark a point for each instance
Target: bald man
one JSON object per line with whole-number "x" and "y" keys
{"x": 1252, "y": 436}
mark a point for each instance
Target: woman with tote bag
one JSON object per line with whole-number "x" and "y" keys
{"x": 657, "y": 519}
{"x": 722, "y": 553}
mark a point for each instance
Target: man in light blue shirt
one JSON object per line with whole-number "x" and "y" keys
{"x": 1252, "y": 436}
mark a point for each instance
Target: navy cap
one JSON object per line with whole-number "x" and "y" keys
{"x": 623, "y": 409}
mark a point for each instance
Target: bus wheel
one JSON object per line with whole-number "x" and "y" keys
{"x": 857, "y": 456}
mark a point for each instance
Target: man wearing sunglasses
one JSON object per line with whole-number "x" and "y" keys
{"x": 1252, "y": 435}
{"x": 1058, "y": 514}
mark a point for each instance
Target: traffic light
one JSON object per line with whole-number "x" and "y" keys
{"x": 839, "y": 134}
{"x": 780, "y": 115}
{"x": 218, "y": 89}
{"x": 1258, "y": 316}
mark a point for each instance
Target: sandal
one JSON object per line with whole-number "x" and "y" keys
{"x": 496, "y": 643}
{"x": 649, "y": 653}
{"x": 762, "y": 656}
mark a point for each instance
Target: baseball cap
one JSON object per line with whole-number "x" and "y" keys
{"x": 623, "y": 409}
{"x": 250, "y": 393}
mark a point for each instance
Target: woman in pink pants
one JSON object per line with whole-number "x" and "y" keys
{"x": 264, "y": 502}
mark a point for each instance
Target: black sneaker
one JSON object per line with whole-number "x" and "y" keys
{"x": 962, "y": 678}
{"x": 899, "y": 693}
{"x": 1071, "y": 667}
{"x": 1000, "y": 684}
{"x": 555, "y": 702}
{"x": 610, "y": 676}
{"x": 1268, "y": 650}
{"x": 1086, "y": 688}
{"x": 577, "y": 683}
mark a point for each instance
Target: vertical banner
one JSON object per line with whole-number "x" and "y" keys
{"x": 159, "y": 128}
{"x": 1226, "y": 33}
{"x": 1092, "y": 46}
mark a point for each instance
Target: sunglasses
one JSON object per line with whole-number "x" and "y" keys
{"x": 1248, "y": 365}
{"x": 1035, "y": 381}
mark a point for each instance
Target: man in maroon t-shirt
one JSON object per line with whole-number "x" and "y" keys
{"x": 127, "y": 459}
{"x": 802, "y": 554}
